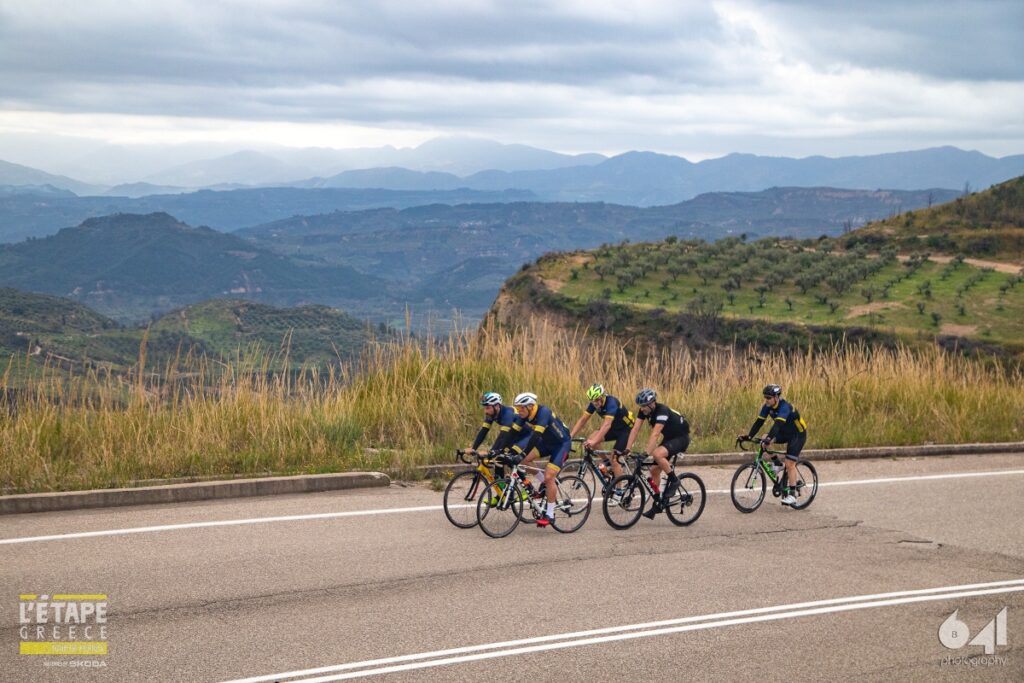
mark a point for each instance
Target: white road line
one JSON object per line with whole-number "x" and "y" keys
{"x": 603, "y": 635}
{"x": 424, "y": 508}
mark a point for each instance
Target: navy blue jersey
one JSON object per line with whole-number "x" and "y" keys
{"x": 508, "y": 431}
{"x": 622, "y": 419}
{"x": 786, "y": 421}
{"x": 549, "y": 432}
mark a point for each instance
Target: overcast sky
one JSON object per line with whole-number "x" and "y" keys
{"x": 699, "y": 79}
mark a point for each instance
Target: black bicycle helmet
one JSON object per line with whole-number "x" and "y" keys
{"x": 646, "y": 396}
{"x": 772, "y": 391}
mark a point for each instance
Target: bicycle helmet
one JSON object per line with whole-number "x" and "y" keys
{"x": 646, "y": 396}
{"x": 772, "y": 391}
{"x": 525, "y": 399}
{"x": 490, "y": 398}
{"x": 595, "y": 392}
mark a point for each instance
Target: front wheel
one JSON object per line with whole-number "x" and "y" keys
{"x": 578, "y": 468}
{"x": 748, "y": 487}
{"x": 460, "y": 498}
{"x": 807, "y": 485}
{"x": 687, "y": 503}
{"x": 572, "y": 504}
{"x": 499, "y": 508}
{"x": 625, "y": 502}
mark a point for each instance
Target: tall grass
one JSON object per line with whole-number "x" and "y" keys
{"x": 411, "y": 403}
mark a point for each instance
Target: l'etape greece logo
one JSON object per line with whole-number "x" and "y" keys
{"x": 63, "y": 624}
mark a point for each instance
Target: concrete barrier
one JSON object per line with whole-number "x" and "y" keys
{"x": 178, "y": 493}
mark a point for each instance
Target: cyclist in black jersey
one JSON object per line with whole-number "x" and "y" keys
{"x": 616, "y": 422}
{"x": 787, "y": 428}
{"x": 674, "y": 431}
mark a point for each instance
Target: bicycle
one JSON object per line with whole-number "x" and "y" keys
{"x": 464, "y": 488}
{"x": 590, "y": 472}
{"x": 500, "y": 506}
{"x": 752, "y": 478}
{"x": 622, "y": 508}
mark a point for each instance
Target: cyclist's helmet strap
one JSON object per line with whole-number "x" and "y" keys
{"x": 772, "y": 391}
{"x": 646, "y": 396}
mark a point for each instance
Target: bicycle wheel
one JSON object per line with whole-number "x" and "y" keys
{"x": 807, "y": 485}
{"x": 748, "y": 487}
{"x": 572, "y": 506}
{"x": 687, "y": 503}
{"x": 460, "y": 498}
{"x": 576, "y": 468}
{"x": 498, "y": 508}
{"x": 622, "y": 510}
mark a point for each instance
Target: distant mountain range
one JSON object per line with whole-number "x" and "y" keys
{"x": 373, "y": 263}
{"x": 634, "y": 178}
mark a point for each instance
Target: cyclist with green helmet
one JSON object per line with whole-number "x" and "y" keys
{"x": 616, "y": 423}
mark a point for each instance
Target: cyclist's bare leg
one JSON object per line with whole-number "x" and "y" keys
{"x": 550, "y": 472}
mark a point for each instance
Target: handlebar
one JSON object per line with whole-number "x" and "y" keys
{"x": 743, "y": 440}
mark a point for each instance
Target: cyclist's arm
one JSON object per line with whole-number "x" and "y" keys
{"x": 485, "y": 428}
{"x": 758, "y": 423}
{"x": 507, "y": 435}
{"x": 633, "y": 432}
{"x": 606, "y": 424}
{"x": 579, "y": 423}
{"x": 652, "y": 440}
{"x": 780, "y": 419}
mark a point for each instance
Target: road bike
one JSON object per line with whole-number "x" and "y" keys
{"x": 505, "y": 502}
{"x": 625, "y": 503}
{"x": 749, "y": 483}
{"x": 462, "y": 491}
{"x": 592, "y": 470}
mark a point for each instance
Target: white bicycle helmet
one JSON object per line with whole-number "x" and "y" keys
{"x": 525, "y": 399}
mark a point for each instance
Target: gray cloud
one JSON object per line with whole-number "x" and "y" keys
{"x": 620, "y": 73}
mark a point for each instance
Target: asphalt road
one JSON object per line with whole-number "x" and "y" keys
{"x": 377, "y": 584}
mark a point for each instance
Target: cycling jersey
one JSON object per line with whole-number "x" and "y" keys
{"x": 550, "y": 436}
{"x": 787, "y": 422}
{"x": 673, "y": 424}
{"x": 508, "y": 431}
{"x": 622, "y": 419}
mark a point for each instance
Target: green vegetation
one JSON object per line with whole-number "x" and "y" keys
{"x": 47, "y": 330}
{"x": 413, "y": 403}
{"x": 987, "y": 224}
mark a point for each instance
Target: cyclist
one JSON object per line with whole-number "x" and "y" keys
{"x": 508, "y": 431}
{"x": 787, "y": 428}
{"x": 615, "y": 424}
{"x": 674, "y": 431}
{"x": 550, "y": 438}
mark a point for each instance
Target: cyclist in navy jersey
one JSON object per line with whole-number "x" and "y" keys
{"x": 616, "y": 422}
{"x": 550, "y": 438}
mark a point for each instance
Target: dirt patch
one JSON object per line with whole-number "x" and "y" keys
{"x": 873, "y": 307}
{"x": 574, "y": 261}
{"x": 959, "y": 330}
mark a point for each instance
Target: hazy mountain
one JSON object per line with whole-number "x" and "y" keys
{"x": 24, "y": 214}
{"x": 135, "y": 190}
{"x": 246, "y": 167}
{"x": 16, "y": 174}
{"x": 128, "y": 266}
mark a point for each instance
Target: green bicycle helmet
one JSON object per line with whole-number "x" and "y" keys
{"x": 595, "y": 392}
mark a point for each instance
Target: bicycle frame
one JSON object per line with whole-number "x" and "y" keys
{"x": 483, "y": 470}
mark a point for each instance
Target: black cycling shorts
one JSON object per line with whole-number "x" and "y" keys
{"x": 620, "y": 439}
{"x": 795, "y": 445}
{"x": 676, "y": 445}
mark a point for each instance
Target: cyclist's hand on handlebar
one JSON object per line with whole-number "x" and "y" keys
{"x": 766, "y": 442}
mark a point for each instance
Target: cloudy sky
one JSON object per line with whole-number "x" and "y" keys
{"x": 699, "y": 79}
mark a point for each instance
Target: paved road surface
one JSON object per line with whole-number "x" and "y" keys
{"x": 376, "y": 575}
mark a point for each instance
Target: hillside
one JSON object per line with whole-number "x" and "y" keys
{"x": 773, "y": 293}
{"x": 65, "y": 334}
{"x": 988, "y": 224}
{"x": 130, "y": 266}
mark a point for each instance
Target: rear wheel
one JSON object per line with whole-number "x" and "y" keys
{"x": 572, "y": 504}
{"x": 460, "y": 498}
{"x": 807, "y": 485}
{"x": 623, "y": 509}
{"x": 577, "y": 468}
{"x": 498, "y": 508}
{"x": 687, "y": 503}
{"x": 748, "y": 487}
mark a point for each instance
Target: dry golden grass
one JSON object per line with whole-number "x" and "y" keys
{"x": 412, "y": 403}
